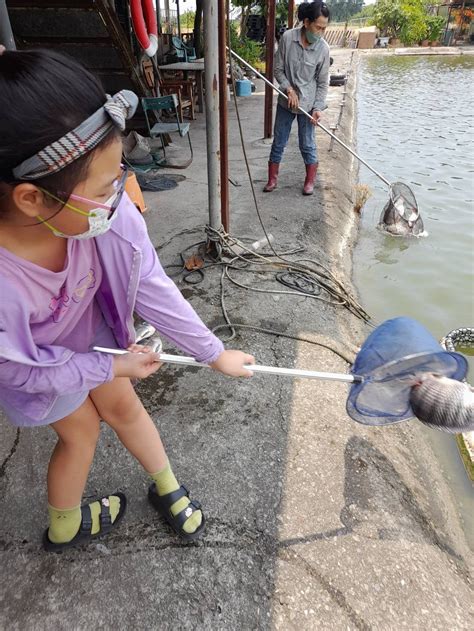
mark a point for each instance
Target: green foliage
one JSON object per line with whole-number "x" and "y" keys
{"x": 407, "y": 20}
{"x": 342, "y": 10}
{"x": 435, "y": 27}
{"x": 248, "y": 49}
{"x": 389, "y": 17}
{"x": 415, "y": 27}
{"x": 365, "y": 12}
{"x": 187, "y": 18}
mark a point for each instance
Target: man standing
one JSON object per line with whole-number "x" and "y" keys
{"x": 301, "y": 69}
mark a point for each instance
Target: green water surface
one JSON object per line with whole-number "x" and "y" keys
{"x": 415, "y": 117}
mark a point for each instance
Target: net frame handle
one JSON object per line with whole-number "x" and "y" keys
{"x": 269, "y": 370}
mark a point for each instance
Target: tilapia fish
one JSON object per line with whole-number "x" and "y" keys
{"x": 444, "y": 403}
{"x": 400, "y": 220}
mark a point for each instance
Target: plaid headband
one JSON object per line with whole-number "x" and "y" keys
{"x": 76, "y": 143}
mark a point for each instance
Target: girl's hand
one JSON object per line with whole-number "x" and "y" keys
{"x": 138, "y": 363}
{"x": 232, "y": 363}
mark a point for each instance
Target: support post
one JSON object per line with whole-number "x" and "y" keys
{"x": 178, "y": 17}
{"x": 6, "y": 33}
{"x": 270, "y": 53}
{"x": 291, "y": 13}
{"x": 168, "y": 17}
{"x": 223, "y": 119}
{"x": 211, "y": 65}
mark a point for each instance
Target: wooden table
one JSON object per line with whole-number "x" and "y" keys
{"x": 190, "y": 66}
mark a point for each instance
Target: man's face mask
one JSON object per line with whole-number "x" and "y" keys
{"x": 311, "y": 37}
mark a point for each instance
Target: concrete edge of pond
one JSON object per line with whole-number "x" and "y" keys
{"x": 420, "y": 50}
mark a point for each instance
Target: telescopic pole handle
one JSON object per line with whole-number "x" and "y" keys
{"x": 269, "y": 370}
{"x": 333, "y": 136}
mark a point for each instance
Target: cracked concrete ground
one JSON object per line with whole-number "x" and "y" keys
{"x": 314, "y": 522}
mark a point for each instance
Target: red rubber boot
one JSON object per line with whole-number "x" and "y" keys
{"x": 308, "y": 187}
{"x": 272, "y": 177}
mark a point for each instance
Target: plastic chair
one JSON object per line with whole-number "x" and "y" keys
{"x": 182, "y": 51}
{"x": 158, "y": 104}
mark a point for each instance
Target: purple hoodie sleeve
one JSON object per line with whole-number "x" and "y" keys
{"x": 26, "y": 367}
{"x": 161, "y": 303}
{"x": 81, "y": 372}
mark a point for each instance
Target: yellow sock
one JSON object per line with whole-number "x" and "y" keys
{"x": 166, "y": 482}
{"x": 65, "y": 523}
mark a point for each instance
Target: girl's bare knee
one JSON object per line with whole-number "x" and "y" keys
{"x": 117, "y": 403}
{"x": 82, "y": 427}
{"x": 123, "y": 412}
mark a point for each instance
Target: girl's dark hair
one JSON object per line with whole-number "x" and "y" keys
{"x": 44, "y": 95}
{"x": 313, "y": 10}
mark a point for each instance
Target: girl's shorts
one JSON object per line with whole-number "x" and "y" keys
{"x": 68, "y": 403}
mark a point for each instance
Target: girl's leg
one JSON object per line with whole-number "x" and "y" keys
{"x": 72, "y": 457}
{"x": 281, "y": 133}
{"x": 67, "y": 474}
{"x": 119, "y": 406}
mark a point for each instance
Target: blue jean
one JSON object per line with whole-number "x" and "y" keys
{"x": 306, "y": 137}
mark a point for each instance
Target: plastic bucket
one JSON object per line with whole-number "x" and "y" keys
{"x": 133, "y": 190}
{"x": 243, "y": 87}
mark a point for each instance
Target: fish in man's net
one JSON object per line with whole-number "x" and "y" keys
{"x": 400, "y": 216}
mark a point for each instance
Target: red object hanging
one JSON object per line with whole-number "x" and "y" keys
{"x": 145, "y": 25}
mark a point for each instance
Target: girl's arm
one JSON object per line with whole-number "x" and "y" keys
{"x": 33, "y": 368}
{"x": 80, "y": 372}
{"x": 161, "y": 303}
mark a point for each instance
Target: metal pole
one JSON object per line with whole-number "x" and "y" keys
{"x": 178, "y": 18}
{"x": 6, "y": 33}
{"x": 181, "y": 360}
{"x": 343, "y": 144}
{"x": 270, "y": 53}
{"x": 211, "y": 73}
{"x": 291, "y": 13}
{"x": 223, "y": 121}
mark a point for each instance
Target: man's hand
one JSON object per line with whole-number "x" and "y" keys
{"x": 293, "y": 100}
{"x": 315, "y": 115}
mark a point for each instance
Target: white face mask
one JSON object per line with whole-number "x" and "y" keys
{"x": 99, "y": 221}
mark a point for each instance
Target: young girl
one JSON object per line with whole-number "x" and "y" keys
{"x": 75, "y": 263}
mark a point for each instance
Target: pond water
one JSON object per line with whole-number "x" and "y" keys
{"x": 415, "y": 125}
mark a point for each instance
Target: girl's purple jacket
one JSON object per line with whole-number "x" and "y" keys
{"x": 32, "y": 377}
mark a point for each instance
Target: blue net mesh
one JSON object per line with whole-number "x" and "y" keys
{"x": 390, "y": 362}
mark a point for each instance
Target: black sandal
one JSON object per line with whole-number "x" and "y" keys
{"x": 84, "y": 533}
{"x": 163, "y": 503}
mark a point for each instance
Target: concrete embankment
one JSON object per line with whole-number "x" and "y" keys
{"x": 314, "y": 521}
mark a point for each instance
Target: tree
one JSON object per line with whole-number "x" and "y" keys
{"x": 187, "y": 18}
{"x": 415, "y": 26}
{"x": 342, "y": 10}
{"x": 407, "y": 20}
{"x": 246, "y": 7}
{"x": 389, "y": 17}
{"x": 366, "y": 12}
